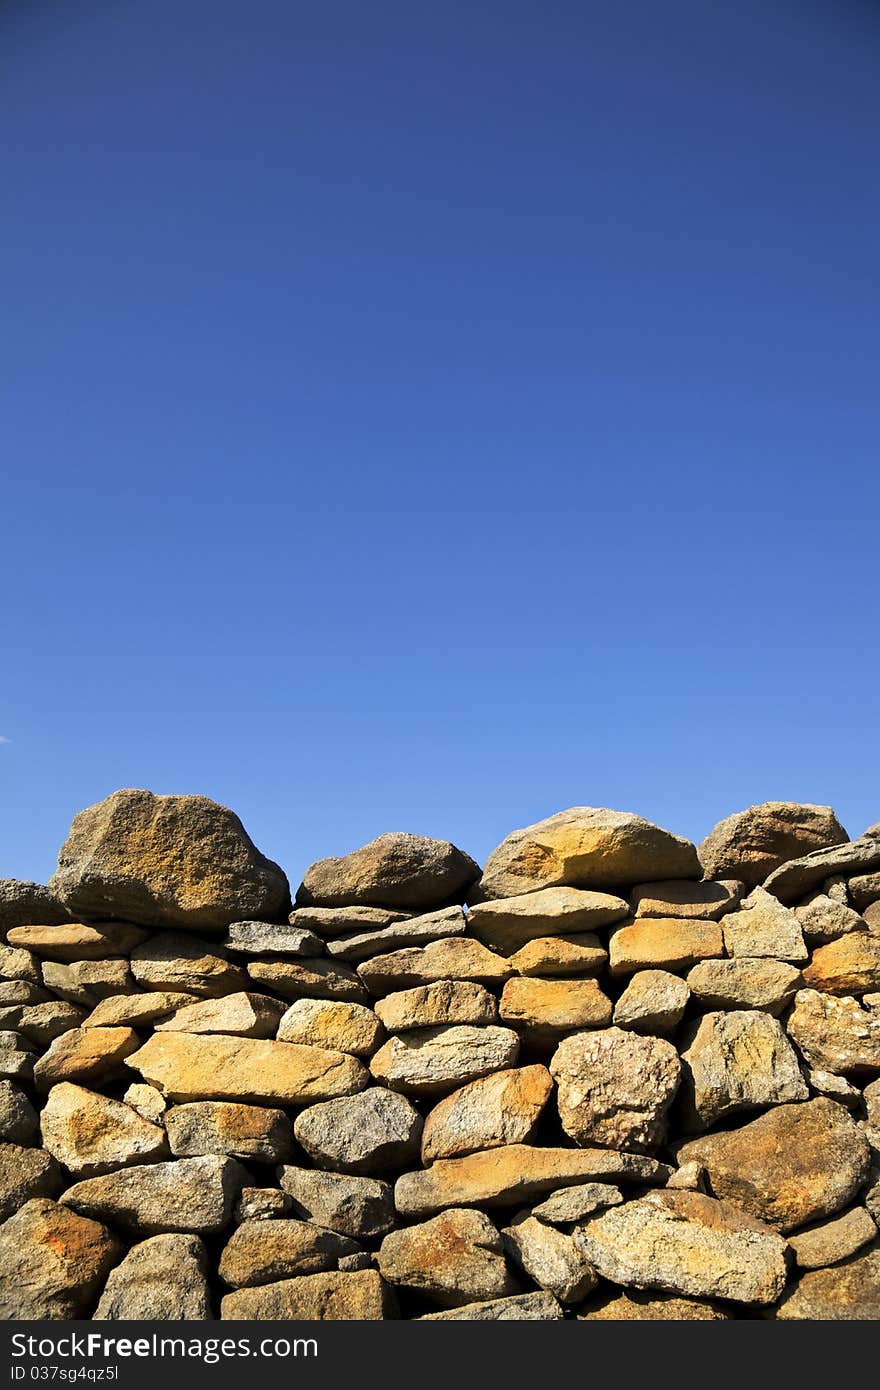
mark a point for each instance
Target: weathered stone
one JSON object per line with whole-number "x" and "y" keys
{"x": 835, "y": 1035}
{"x": 847, "y": 1292}
{"x": 261, "y": 1252}
{"x": 373, "y": 1132}
{"x": 572, "y": 1204}
{"x": 736, "y": 1061}
{"x": 509, "y": 1176}
{"x": 243, "y": 1015}
{"x": 146, "y": 1100}
{"x": 615, "y": 1088}
{"x": 654, "y": 1001}
{"x": 429, "y": 1006}
{"x": 251, "y": 1132}
{"x": 189, "y": 1195}
{"x": 22, "y": 902}
{"x": 580, "y": 954}
{"x": 22, "y": 992}
{"x": 745, "y": 983}
{"x": 763, "y": 928}
{"x": 178, "y": 961}
{"x": 505, "y": 924}
{"x": 86, "y": 1055}
{"x": 178, "y": 861}
{"x": 454, "y": 958}
{"x": 396, "y": 870}
{"x": 850, "y": 965}
{"x": 52, "y": 1262}
{"x": 86, "y": 982}
{"x": 823, "y": 920}
{"x": 163, "y": 1278}
{"x": 426, "y": 1061}
{"x": 76, "y": 941}
{"x": 521, "y": 1307}
{"x": 825, "y": 1083}
{"x": 665, "y": 942}
{"x": 871, "y": 914}
{"x": 792, "y": 882}
{"x": 41, "y": 1024}
{"x": 18, "y": 964}
{"x": 414, "y": 931}
{"x": 271, "y": 939}
{"x": 688, "y": 1244}
{"x": 332, "y": 1297}
{"x": 18, "y": 1118}
{"x": 794, "y": 1164}
{"x": 186, "y": 1066}
{"x": 16, "y": 1065}
{"x": 353, "y": 1206}
{"x": 492, "y": 1112}
{"x": 92, "y": 1134}
{"x": 309, "y": 979}
{"x": 680, "y": 897}
{"x": 261, "y": 1204}
{"x": 864, "y": 889}
{"x": 834, "y": 1240}
{"x": 752, "y": 843}
{"x": 333, "y": 1024}
{"x": 836, "y": 888}
{"x": 546, "y": 1009}
{"x": 550, "y": 1258}
{"x": 26, "y": 1173}
{"x": 640, "y": 1307}
{"x": 339, "y": 921}
{"x": 136, "y": 1010}
{"x": 690, "y": 1177}
{"x": 453, "y": 1259}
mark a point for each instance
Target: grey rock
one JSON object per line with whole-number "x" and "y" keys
{"x": 18, "y": 1118}
{"x": 414, "y": 931}
{"x": 373, "y": 1132}
{"x": 794, "y": 880}
{"x": 22, "y": 902}
{"x": 261, "y": 1252}
{"x": 161, "y": 1279}
{"x": 454, "y": 1259}
{"x": 309, "y": 979}
{"x": 52, "y": 1262}
{"x": 764, "y": 928}
{"x": 396, "y": 870}
{"x": 427, "y": 1061}
{"x": 271, "y": 939}
{"x": 189, "y": 1195}
{"x": 86, "y": 982}
{"x": 572, "y": 1204}
{"x": 179, "y": 961}
{"x": 549, "y": 1257}
{"x": 736, "y": 1061}
{"x": 354, "y": 1206}
{"x": 615, "y": 1088}
{"x": 832, "y": 1241}
{"x": 654, "y": 1001}
{"x": 745, "y": 983}
{"x": 254, "y": 1133}
{"x": 521, "y": 1307}
{"x": 26, "y": 1173}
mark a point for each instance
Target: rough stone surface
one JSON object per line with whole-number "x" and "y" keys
{"x": 850, "y": 965}
{"x": 91, "y": 1134}
{"x": 396, "y": 870}
{"x": 254, "y": 1133}
{"x": 823, "y": 919}
{"x": 19, "y": 1121}
{"x": 77, "y": 940}
{"x": 678, "y": 897}
{"x": 340, "y": 1026}
{"x": 864, "y": 889}
{"x": 414, "y": 931}
{"x": 833, "y": 1034}
{"x": 163, "y": 1278}
{"x": 653, "y": 1001}
{"x": 737, "y": 1061}
{"x": 522, "y": 1307}
{"x": 641, "y": 1307}
{"x": 663, "y": 942}
{"x": 744, "y": 983}
{"x": 454, "y": 958}
{"x": 26, "y": 1173}
{"x": 362, "y": 1296}
{"x": 549, "y": 1257}
{"x": 188, "y": 1195}
{"x": 262, "y": 1252}
{"x": 455, "y": 1258}
{"x": 261, "y": 1204}
{"x": 795, "y": 879}
{"x": 752, "y": 843}
{"x": 177, "y": 961}
{"x": 328, "y": 922}
{"x": 41, "y": 1024}
{"x": 376, "y": 1131}
{"x": 92, "y": 1055}
{"x": 547, "y": 1009}
{"x": 52, "y": 1262}
{"x": 762, "y": 927}
{"x": 23, "y": 902}
{"x": 848, "y": 1292}
{"x": 186, "y": 1066}
{"x": 309, "y": 979}
{"x": 430, "y": 1006}
{"x": 426, "y": 1061}
{"x": 572, "y": 1204}
{"x": 271, "y": 939}
{"x": 579, "y": 954}
{"x": 615, "y": 1088}
{"x": 244, "y": 1015}
{"x": 86, "y": 982}
{"x": 489, "y": 1113}
{"x": 506, "y": 924}
{"x": 353, "y": 1206}
{"x": 834, "y": 1240}
{"x": 146, "y": 1100}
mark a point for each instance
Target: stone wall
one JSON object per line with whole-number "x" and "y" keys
{"x": 611, "y": 1075}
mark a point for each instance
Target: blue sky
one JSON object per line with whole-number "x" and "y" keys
{"x": 430, "y": 416}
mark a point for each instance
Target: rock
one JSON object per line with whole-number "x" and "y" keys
{"x": 16, "y": 1065}
{"x": 77, "y": 941}
{"x": 373, "y": 1132}
{"x": 271, "y": 939}
{"x": 396, "y": 870}
{"x": 752, "y": 843}
{"x": 865, "y": 889}
{"x": 835, "y": 1035}
{"x": 311, "y": 979}
{"x": 21, "y": 992}
{"x": 847, "y": 1292}
{"x": 328, "y": 922}
{"x": 92, "y": 1134}
{"x": 522, "y": 1307}
{"x": 177, "y": 961}
{"x": 426, "y": 1061}
{"x": 823, "y": 920}
{"x": 825, "y": 1083}
{"x": 22, "y": 902}
{"x": 580, "y": 954}
{"x": 146, "y": 1100}
{"x": 180, "y": 861}
{"x": 871, "y": 915}
{"x": 191, "y": 1195}
{"x": 427, "y": 1006}
{"x": 794, "y": 880}
{"x": 454, "y": 958}
{"x": 736, "y": 1061}
{"x": 507, "y": 923}
{"x": 52, "y": 1262}
{"x": 26, "y": 1173}
{"x": 261, "y": 1252}
{"x": 353, "y": 1206}
{"x": 763, "y": 928}
{"x": 744, "y": 983}
{"x": 329, "y": 1023}
{"x": 678, "y": 897}
{"x": 509, "y": 1176}
{"x": 653, "y": 1002}
{"x": 86, "y": 982}
{"x": 546, "y": 1009}
{"x": 136, "y": 1010}
{"x": 688, "y": 1244}
{"x": 187, "y": 1066}
{"x": 332, "y": 1297}
{"x": 492, "y": 1112}
{"x": 615, "y": 1088}
{"x": 414, "y": 931}
{"x": 794, "y": 1164}
{"x": 665, "y": 942}
{"x": 91, "y": 1055}
{"x": 850, "y": 965}
{"x": 18, "y": 1118}
{"x": 550, "y": 1258}
{"x": 836, "y": 887}
{"x": 163, "y": 1278}
{"x": 453, "y": 1259}
{"x": 834, "y": 1240}
{"x": 261, "y": 1204}
{"x": 572, "y": 1204}
{"x": 17, "y": 964}
{"x": 250, "y": 1132}
{"x": 243, "y": 1015}
{"x": 41, "y": 1024}
{"x": 690, "y": 1177}
{"x": 640, "y": 1307}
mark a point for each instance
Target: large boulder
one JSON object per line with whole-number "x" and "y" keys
{"x": 752, "y": 843}
{"x": 179, "y": 861}
{"x": 615, "y": 1088}
{"x": 22, "y": 903}
{"x": 396, "y": 870}
{"x": 736, "y": 1061}
{"x": 52, "y": 1262}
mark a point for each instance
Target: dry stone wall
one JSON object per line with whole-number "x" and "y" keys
{"x": 611, "y": 1075}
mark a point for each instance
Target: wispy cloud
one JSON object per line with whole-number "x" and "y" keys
{"x": 5, "y": 740}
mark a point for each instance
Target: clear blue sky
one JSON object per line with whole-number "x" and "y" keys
{"x": 429, "y": 416}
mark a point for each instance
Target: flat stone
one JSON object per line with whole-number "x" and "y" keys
{"x": 850, "y": 965}
{"x": 678, "y": 897}
{"x": 793, "y": 1164}
{"x": 549, "y": 1258}
{"x": 745, "y": 983}
{"x": 86, "y": 982}
{"x": 396, "y": 870}
{"x": 262, "y": 1252}
{"x": 654, "y": 1001}
{"x": 506, "y": 924}
{"x": 353, "y": 1206}
{"x": 41, "y": 1024}
{"x": 454, "y": 958}
{"x": 665, "y": 942}
{"x": 373, "y": 1132}
{"x": 262, "y": 1204}
{"x": 243, "y": 1015}
{"x": 834, "y": 1240}
{"x": 848, "y": 1292}
{"x": 339, "y": 921}
{"x": 309, "y": 979}
{"x": 23, "y": 902}
{"x": 792, "y": 881}
{"x": 330, "y": 1023}
{"x": 52, "y": 1262}
{"x": 426, "y": 1061}
{"x": 521, "y": 1307}
{"x": 92, "y": 1134}
{"x": 736, "y": 1061}
{"x": 71, "y": 941}
{"x": 177, "y": 961}
{"x": 580, "y": 954}
{"x": 825, "y": 1083}
{"x": 686, "y": 1243}
{"x": 413, "y": 931}
{"x": 572, "y": 1204}
{"x": 26, "y": 1173}
{"x": 429, "y": 1006}
{"x": 641, "y": 1307}
{"x": 362, "y": 1296}
{"x": 492, "y": 1112}
{"x": 271, "y": 939}
{"x": 86, "y": 1055}
{"x": 835, "y": 1035}
{"x": 453, "y": 1259}
{"x": 823, "y": 919}
{"x": 509, "y": 1176}
{"x": 18, "y": 964}
{"x": 16, "y": 1065}
{"x": 762, "y": 927}
{"x": 187, "y": 1195}
{"x": 615, "y": 1088}
{"x": 254, "y": 1133}
{"x": 186, "y": 1066}
{"x": 752, "y": 843}
{"x": 547, "y": 1009}
{"x": 21, "y": 992}
{"x": 160, "y": 1279}
{"x": 136, "y": 1010}
{"x": 18, "y": 1118}
{"x": 146, "y": 1100}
